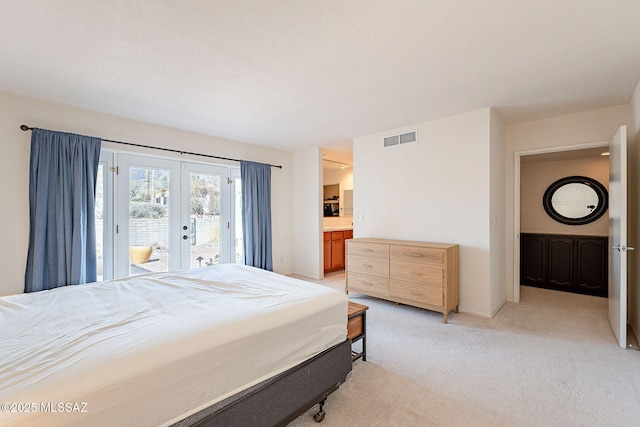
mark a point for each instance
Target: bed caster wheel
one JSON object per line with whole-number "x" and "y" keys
{"x": 319, "y": 416}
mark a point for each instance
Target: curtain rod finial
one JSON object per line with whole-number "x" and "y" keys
{"x": 25, "y": 127}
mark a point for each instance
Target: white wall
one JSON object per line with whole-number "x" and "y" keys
{"x": 634, "y": 213}
{"x": 498, "y": 293}
{"x": 14, "y": 161}
{"x": 307, "y": 208}
{"x": 592, "y": 127}
{"x": 437, "y": 190}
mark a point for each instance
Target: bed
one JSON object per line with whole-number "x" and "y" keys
{"x": 223, "y": 345}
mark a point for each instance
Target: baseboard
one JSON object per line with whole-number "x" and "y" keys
{"x": 494, "y": 312}
{"x": 483, "y": 314}
{"x": 475, "y": 313}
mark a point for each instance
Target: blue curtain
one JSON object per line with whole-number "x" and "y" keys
{"x": 62, "y": 238}
{"x": 256, "y": 214}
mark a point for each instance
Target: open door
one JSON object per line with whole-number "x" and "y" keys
{"x": 618, "y": 236}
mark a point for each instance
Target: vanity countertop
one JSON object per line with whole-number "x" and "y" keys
{"x": 337, "y": 228}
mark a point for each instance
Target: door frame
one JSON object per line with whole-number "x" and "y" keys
{"x": 516, "y": 199}
{"x": 107, "y": 159}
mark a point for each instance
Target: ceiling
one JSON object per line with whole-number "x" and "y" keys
{"x": 333, "y": 164}
{"x": 293, "y": 74}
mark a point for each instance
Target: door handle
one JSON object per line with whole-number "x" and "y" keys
{"x": 623, "y": 248}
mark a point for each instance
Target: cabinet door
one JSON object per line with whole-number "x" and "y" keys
{"x": 592, "y": 269}
{"x": 327, "y": 251}
{"x": 561, "y": 262}
{"x": 327, "y": 256}
{"x": 533, "y": 264}
{"x": 337, "y": 254}
{"x": 337, "y": 250}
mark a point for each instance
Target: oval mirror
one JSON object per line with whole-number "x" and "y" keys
{"x": 575, "y": 200}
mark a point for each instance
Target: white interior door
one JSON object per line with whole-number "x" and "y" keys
{"x": 618, "y": 236}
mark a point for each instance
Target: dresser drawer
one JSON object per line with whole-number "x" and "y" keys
{"x": 369, "y": 285}
{"x": 368, "y": 249}
{"x": 415, "y": 272}
{"x": 414, "y": 292}
{"x": 417, "y": 254}
{"x": 371, "y": 266}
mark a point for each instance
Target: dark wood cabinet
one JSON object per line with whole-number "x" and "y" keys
{"x": 533, "y": 259}
{"x": 561, "y": 262}
{"x": 565, "y": 263}
{"x": 592, "y": 274}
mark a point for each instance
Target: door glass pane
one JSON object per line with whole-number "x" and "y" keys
{"x": 99, "y": 219}
{"x": 204, "y": 218}
{"x": 148, "y": 220}
{"x": 239, "y": 248}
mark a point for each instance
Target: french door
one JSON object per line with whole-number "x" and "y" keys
{"x": 171, "y": 215}
{"x": 209, "y": 215}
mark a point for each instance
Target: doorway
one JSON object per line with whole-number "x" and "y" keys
{"x": 337, "y": 209}
{"x": 558, "y": 252}
{"x": 545, "y": 154}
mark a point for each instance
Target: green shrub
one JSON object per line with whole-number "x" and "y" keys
{"x": 148, "y": 210}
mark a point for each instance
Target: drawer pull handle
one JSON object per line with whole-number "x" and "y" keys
{"x": 367, "y": 265}
{"x": 415, "y": 273}
{"x": 413, "y": 254}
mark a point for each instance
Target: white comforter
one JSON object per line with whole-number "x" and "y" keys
{"x": 152, "y": 349}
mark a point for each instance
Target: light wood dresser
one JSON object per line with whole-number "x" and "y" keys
{"x": 419, "y": 274}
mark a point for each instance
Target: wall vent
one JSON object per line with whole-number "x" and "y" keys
{"x": 403, "y": 138}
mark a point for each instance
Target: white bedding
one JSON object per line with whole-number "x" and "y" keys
{"x": 152, "y": 349}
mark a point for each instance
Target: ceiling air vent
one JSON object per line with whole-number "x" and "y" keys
{"x": 403, "y": 138}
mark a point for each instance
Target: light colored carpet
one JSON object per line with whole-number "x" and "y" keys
{"x": 550, "y": 360}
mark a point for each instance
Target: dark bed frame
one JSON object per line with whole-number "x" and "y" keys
{"x": 281, "y": 399}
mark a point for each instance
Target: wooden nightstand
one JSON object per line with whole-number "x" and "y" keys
{"x": 357, "y": 328}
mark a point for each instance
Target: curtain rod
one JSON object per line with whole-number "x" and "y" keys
{"x": 26, "y": 128}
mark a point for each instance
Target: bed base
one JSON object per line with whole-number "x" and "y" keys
{"x": 281, "y": 399}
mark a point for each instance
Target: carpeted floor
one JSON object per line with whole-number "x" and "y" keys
{"x": 550, "y": 360}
